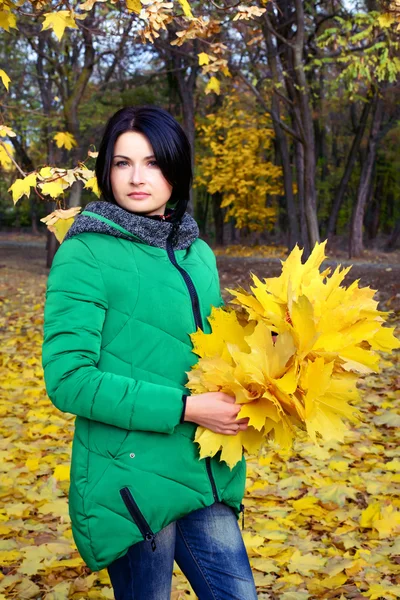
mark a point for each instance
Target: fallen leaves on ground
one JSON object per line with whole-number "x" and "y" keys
{"x": 256, "y": 250}
{"x": 320, "y": 522}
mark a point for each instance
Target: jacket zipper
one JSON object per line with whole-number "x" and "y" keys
{"x": 190, "y": 285}
{"x": 199, "y": 323}
{"x": 138, "y": 517}
{"x": 212, "y": 480}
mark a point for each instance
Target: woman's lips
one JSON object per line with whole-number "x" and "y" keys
{"x": 138, "y": 195}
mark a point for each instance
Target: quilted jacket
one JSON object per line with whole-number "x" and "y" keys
{"x": 120, "y": 304}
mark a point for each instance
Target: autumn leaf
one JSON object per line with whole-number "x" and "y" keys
{"x": 22, "y": 187}
{"x": 59, "y": 221}
{"x": 213, "y": 86}
{"x": 306, "y": 563}
{"x": 93, "y": 185}
{"x": 46, "y": 172}
{"x": 6, "y": 152}
{"x": 7, "y": 19}
{"x": 386, "y": 20}
{"x": 52, "y": 188}
{"x": 65, "y": 139}
{"x": 6, "y": 131}
{"x": 58, "y": 21}
{"x": 248, "y": 12}
{"x": 5, "y": 78}
{"x": 204, "y": 59}
{"x": 187, "y": 11}
{"x": 134, "y": 6}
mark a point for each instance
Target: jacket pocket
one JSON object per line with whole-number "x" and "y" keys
{"x": 137, "y": 516}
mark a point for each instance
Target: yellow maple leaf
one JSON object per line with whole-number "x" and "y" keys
{"x": 213, "y": 86}
{"x": 187, "y": 11}
{"x": 61, "y": 472}
{"x": 52, "y": 188}
{"x": 376, "y": 591}
{"x": 58, "y": 21}
{"x": 22, "y": 187}
{"x": 4, "y": 130}
{"x": 60, "y": 220}
{"x": 204, "y": 59}
{"x": 385, "y": 20}
{"x": 32, "y": 464}
{"x": 305, "y": 563}
{"x": 88, "y": 5}
{"x": 93, "y": 185}
{"x": 46, "y": 172}
{"x": 6, "y": 152}
{"x": 5, "y": 79}
{"x": 7, "y": 19}
{"x": 65, "y": 139}
{"x": 388, "y": 523}
{"x": 134, "y": 6}
{"x": 370, "y": 514}
{"x": 334, "y": 582}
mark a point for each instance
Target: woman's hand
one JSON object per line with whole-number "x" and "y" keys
{"x": 215, "y": 411}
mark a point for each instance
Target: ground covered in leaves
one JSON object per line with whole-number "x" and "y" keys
{"x": 319, "y": 522}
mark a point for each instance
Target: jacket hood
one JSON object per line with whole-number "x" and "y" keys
{"x": 112, "y": 219}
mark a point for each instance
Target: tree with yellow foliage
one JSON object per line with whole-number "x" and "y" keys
{"x": 237, "y": 163}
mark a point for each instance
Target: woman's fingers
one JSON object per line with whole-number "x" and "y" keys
{"x": 234, "y": 428}
{"x": 241, "y": 421}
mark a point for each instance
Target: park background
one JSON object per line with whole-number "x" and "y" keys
{"x": 292, "y": 110}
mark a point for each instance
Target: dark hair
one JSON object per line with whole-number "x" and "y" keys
{"x": 170, "y": 145}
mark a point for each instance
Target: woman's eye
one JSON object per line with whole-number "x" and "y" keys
{"x": 153, "y": 162}
{"x": 120, "y": 163}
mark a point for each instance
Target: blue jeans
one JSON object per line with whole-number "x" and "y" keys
{"x": 208, "y": 547}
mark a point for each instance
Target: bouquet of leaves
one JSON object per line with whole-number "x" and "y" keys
{"x": 291, "y": 354}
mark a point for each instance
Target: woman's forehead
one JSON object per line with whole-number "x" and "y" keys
{"x": 133, "y": 144}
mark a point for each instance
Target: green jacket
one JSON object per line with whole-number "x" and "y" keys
{"x": 116, "y": 352}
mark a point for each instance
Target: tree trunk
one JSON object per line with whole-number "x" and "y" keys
{"x": 75, "y": 194}
{"x": 186, "y": 86}
{"x": 374, "y": 205}
{"x": 281, "y": 142}
{"x": 52, "y": 244}
{"x": 218, "y": 218}
{"x": 310, "y": 191}
{"x": 300, "y": 195}
{"x": 356, "y": 235}
{"x": 351, "y": 160}
{"x": 391, "y": 245}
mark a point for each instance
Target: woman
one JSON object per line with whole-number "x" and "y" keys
{"x": 128, "y": 285}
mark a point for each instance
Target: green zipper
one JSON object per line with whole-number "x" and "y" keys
{"x": 111, "y": 223}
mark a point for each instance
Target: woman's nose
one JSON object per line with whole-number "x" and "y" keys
{"x": 136, "y": 175}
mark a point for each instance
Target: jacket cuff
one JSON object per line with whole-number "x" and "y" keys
{"x": 184, "y": 398}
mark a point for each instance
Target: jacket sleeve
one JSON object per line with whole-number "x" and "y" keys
{"x": 74, "y": 314}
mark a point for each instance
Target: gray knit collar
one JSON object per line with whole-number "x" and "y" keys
{"x": 149, "y": 231}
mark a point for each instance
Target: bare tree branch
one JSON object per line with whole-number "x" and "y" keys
{"x": 261, "y": 100}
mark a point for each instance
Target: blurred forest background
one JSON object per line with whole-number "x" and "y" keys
{"x": 292, "y": 109}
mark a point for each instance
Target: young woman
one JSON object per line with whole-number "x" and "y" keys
{"x": 128, "y": 285}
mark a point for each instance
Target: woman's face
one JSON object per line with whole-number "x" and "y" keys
{"x": 134, "y": 171}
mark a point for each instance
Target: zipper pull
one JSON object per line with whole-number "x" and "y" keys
{"x": 151, "y": 538}
{"x": 242, "y": 511}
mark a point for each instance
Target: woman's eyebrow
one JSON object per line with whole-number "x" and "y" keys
{"x": 127, "y": 157}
